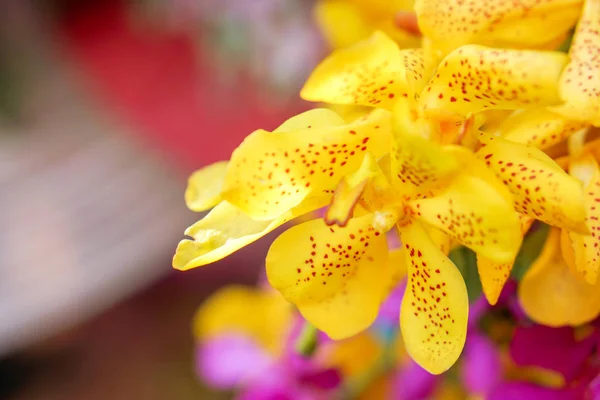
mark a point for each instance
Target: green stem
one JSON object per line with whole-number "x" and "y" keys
{"x": 306, "y": 344}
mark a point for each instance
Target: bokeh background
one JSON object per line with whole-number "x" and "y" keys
{"x": 106, "y": 107}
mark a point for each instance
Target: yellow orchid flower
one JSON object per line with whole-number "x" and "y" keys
{"x": 471, "y": 79}
{"x": 272, "y": 172}
{"x": 262, "y": 315}
{"x": 586, "y": 248}
{"x": 336, "y": 271}
{"x": 579, "y": 90}
{"x": 493, "y": 275}
{"x": 421, "y": 162}
{"x": 552, "y": 294}
{"x": 274, "y": 177}
{"x": 449, "y": 24}
{"x": 580, "y": 82}
{"x": 345, "y": 22}
{"x": 538, "y": 127}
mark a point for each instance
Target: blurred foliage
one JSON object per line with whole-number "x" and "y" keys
{"x": 11, "y": 80}
{"x": 466, "y": 262}
{"x": 530, "y": 250}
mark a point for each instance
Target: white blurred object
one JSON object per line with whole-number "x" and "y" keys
{"x": 88, "y": 214}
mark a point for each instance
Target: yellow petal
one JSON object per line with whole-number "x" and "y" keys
{"x": 568, "y": 253}
{"x": 395, "y": 270}
{"x": 476, "y": 78}
{"x": 343, "y": 202}
{"x": 442, "y": 240}
{"x": 541, "y": 189}
{"x": 332, "y": 274}
{"x": 494, "y": 275}
{"x": 344, "y": 22}
{"x": 373, "y": 72}
{"x": 418, "y": 163}
{"x": 264, "y": 316}
{"x": 538, "y": 128}
{"x": 312, "y": 119}
{"x": 587, "y": 247}
{"x": 383, "y": 8}
{"x": 473, "y": 212}
{"x": 226, "y": 229}
{"x": 342, "y": 355}
{"x": 499, "y": 23}
{"x": 580, "y": 83}
{"x": 368, "y": 184}
{"x": 552, "y": 295}
{"x": 435, "y": 307}
{"x": 204, "y": 187}
{"x": 341, "y": 22}
{"x": 272, "y": 172}
{"x": 348, "y": 112}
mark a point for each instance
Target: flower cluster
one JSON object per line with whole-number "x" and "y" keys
{"x": 484, "y": 130}
{"x": 246, "y": 342}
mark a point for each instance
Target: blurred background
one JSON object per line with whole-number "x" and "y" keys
{"x": 106, "y": 107}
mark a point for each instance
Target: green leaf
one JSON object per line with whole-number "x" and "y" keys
{"x": 466, "y": 262}
{"x": 566, "y": 45}
{"x": 530, "y": 250}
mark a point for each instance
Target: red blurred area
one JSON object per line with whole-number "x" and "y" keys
{"x": 163, "y": 83}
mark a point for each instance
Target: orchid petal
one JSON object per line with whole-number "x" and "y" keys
{"x": 434, "y": 312}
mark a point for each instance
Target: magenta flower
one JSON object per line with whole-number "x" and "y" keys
{"x": 553, "y": 348}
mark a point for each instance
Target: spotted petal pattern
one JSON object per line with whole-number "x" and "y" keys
{"x": 333, "y": 274}
{"x": 539, "y": 128}
{"x": 580, "y": 83}
{"x": 498, "y": 23}
{"x": 476, "y": 78}
{"x": 471, "y": 211}
{"x": 493, "y": 275}
{"x": 272, "y": 172}
{"x": 373, "y": 72}
{"x": 541, "y": 189}
{"x": 226, "y": 229}
{"x": 586, "y": 248}
{"x": 419, "y": 164}
{"x": 434, "y": 312}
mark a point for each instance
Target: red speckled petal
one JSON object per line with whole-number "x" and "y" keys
{"x": 539, "y": 128}
{"x": 272, "y": 172}
{"x": 587, "y": 247}
{"x": 333, "y": 274}
{"x": 498, "y": 23}
{"x": 552, "y": 295}
{"x": 435, "y": 307}
{"x": 476, "y": 78}
{"x": 473, "y": 212}
{"x": 493, "y": 275}
{"x": 441, "y": 239}
{"x": 418, "y": 163}
{"x": 226, "y": 229}
{"x": 373, "y": 72}
{"x": 580, "y": 83}
{"x": 368, "y": 184}
{"x": 541, "y": 189}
